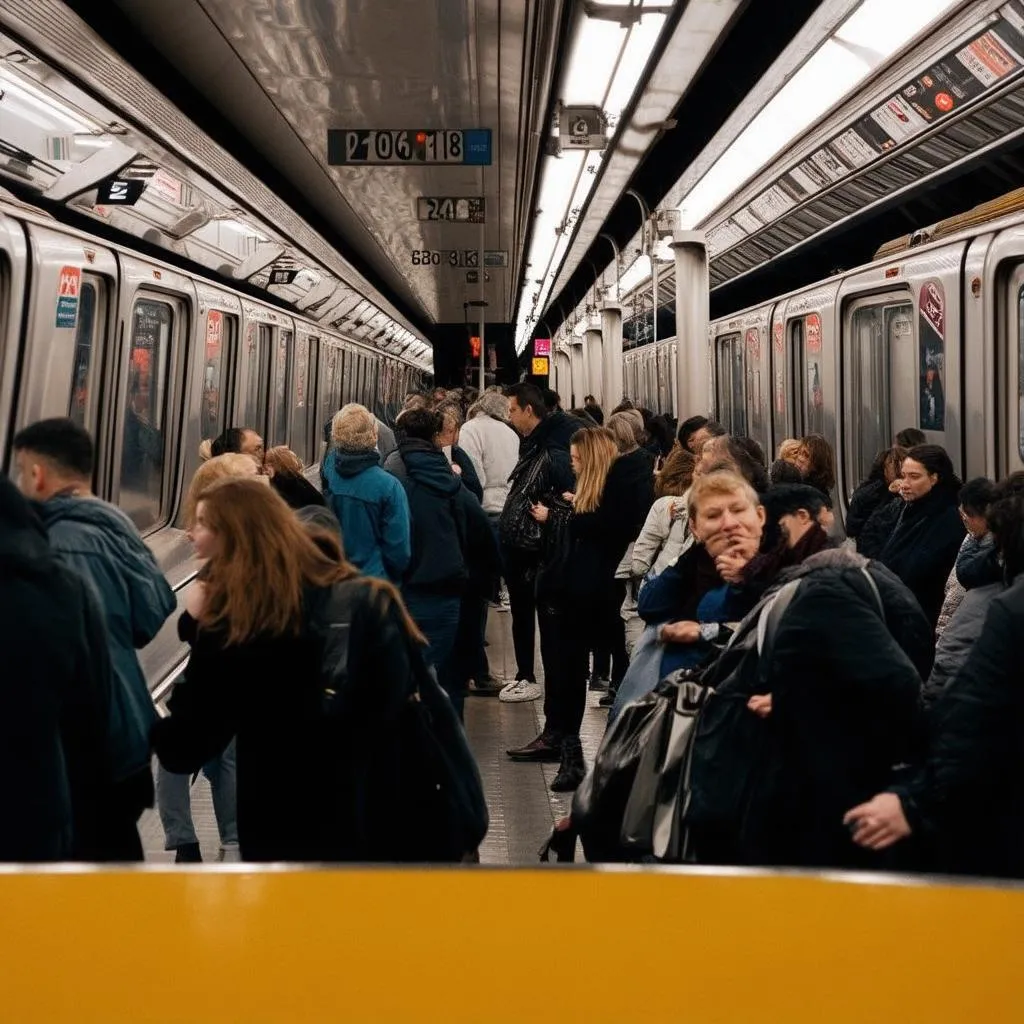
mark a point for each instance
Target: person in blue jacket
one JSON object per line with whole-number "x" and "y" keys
{"x": 54, "y": 459}
{"x": 369, "y": 503}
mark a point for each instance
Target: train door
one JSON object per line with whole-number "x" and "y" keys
{"x": 806, "y": 383}
{"x": 254, "y": 376}
{"x": 756, "y": 355}
{"x": 69, "y": 334}
{"x": 157, "y": 309}
{"x": 730, "y": 383}
{"x": 879, "y": 371}
{"x": 280, "y": 407}
{"x": 216, "y": 358}
{"x": 302, "y": 429}
{"x": 13, "y": 278}
{"x": 673, "y": 370}
{"x": 1010, "y": 377}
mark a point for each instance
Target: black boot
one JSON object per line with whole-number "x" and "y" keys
{"x": 188, "y": 853}
{"x": 572, "y": 769}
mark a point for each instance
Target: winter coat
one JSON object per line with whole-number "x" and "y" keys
{"x": 662, "y": 539}
{"x": 978, "y": 563}
{"x": 845, "y": 707}
{"x": 468, "y": 472}
{"x": 373, "y": 511}
{"x": 543, "y": 472}
{"x": 674, "y": 595}
{"x": 493, "y": 447}
{"x": 386, "y": 442}
{"x": 866, "y": 500}
{"x": 299, "y": 798}
{"x": 967, "y": 802}
{"x": 924, "y": 546}
{"x": 452, "y": 540}
{"x": 100, "y": 543}
{"x": 880, "y": 524}
{"x": 600, "y": 538}
{"x": 55, "y": 693}
{"x": 296, "y": 490}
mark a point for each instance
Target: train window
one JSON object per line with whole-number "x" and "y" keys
{"x": 144, "y": 443}
{"x": 877, "y": 344}
{"x": 221, "y": 331}
{"x": 731, "y": 389}
{"x": 254, "y": 391}
{"x": 279, "y": 428}
{"x": 88, "y": 341}
{"x": 808, "y": 409}
{"x": 330, "y": 358}
{"x": 300, "y": 399}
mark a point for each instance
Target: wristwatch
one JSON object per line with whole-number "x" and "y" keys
{"x": 709, "y": 631}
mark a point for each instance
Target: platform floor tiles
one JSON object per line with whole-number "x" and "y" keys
{"x": 521, "y": 805}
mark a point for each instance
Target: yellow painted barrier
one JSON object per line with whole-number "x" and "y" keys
{"x": 237, "y": 944}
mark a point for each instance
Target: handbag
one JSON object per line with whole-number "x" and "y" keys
{"x": 517, "y": 528}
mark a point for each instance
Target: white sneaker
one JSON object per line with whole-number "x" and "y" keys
{"x": 519, "y": 691}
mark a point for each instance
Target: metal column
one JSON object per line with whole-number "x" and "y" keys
{"x": 611, "y": 355}
{"x": 592, "y": 345}
{"x": 576, "y": 362}
{"x": 692, "y": 319}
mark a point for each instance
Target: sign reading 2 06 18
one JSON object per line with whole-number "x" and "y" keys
{"x": 403, "y": 146}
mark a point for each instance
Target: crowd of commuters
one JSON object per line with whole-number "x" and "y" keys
{"x": 864, "y": 667}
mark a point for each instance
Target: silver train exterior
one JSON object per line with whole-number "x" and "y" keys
{"x": 152, "y": 359}
{"x": 928, "y": 337}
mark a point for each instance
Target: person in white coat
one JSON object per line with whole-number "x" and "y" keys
{"x": 493, "y": 448}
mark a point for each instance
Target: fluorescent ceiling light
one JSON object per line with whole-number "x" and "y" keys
{"x": 592, "y": 60}
{"x": 638, "y": 51}
{"x": 876, "y": 30}
{"x": 42, "y": 103}
{"x": 242, "y": 229}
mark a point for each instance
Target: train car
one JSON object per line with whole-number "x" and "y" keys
{"x": 928, "y": 336}
{"x": 152, "y": 359}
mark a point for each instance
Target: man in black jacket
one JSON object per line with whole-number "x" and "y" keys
{"x": 544, "y": 472}
{"x": 54, "y": 693}
{"x": 452, "y": 542}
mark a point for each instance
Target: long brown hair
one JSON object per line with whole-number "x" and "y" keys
{"x": 265, "y": 560}
{"x": 597, "y": 450}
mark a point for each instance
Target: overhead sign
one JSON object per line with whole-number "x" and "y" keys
{"x": 495, "y": 257}
{"x": 474, "y": 346}
{"x": 120, "y": 191}
{"x": 282, "y": 275}
{"x": 542, "y": 346}
{"x": 445, "y": 257}
{"x": 473, "y": 277}
{"x": 468, "y": 210}
{"x": 582, "y": 128}
{"x": 68, "y": 287}
{"x": 539, "y": 366}
{"x": 402, "y": 146}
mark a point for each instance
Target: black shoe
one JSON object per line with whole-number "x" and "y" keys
{"x": 571, "y": 769}
{"x": 485, "y": 688}
{"x": 598, "y": 683}
{"x": 544, "y": 748}
{"x": 188, "y": 853}
{"x": 606, "y": 700}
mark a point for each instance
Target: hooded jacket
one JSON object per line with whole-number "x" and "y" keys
{"x": 373, "y": 511}
{"x": 967, "y": 802}
{"x": 493, "y": 446}
{"x": 100, "y": 543}
{"x": 662, "y": 539}
{"x": 55, "y": 691}
{"x": 544, "y": 471}
{"x": 450, "y": 534}
{"x": 923, "y": 547}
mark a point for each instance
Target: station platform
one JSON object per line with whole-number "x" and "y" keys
{"x": 522, "y": 807}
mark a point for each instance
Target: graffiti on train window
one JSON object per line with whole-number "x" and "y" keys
{"x": 144, "y": 441}
{"x": 85, "y": 347}
{"x": 280, "y": 427}
{"x": 219, "y": 333}
{"x": 300, "y": 404}
{"x": 932, "y": 356}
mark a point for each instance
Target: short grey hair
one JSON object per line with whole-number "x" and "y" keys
{"x": 490, "y": 403}
{"x": 354, "y": 428}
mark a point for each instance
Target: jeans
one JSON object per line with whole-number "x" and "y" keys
{"x": 173, "y": 801}
{"x": 437, "y": 615}
{"x": 521, "y": 579}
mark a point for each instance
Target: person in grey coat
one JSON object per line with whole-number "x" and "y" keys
{"x": 54, "y": 459}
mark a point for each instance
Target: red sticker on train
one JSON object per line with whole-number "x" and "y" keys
{"x": 754, "y": 343}
{"x": 933, "y": 307}
{"x": 777, "y": 335}
{"x": 812, "y": 329}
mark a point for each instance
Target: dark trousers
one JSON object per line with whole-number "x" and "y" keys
{"x": 610, "y": 657}
{"x": 438, "y": 618}
{"x": 567, "y": 635}
{"x": 118, "y": 827}
{"x": 469, "y": 658}
{"x": 521, "y": 579}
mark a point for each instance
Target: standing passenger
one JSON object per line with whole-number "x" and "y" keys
{"x": 369, "y": 503}
{"x": 284, "y": 469}
{"x": 55, "y": 466}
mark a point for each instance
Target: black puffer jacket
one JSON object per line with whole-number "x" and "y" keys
{"x": 55, "y": 692}
{"x": 845, "y": 709}
{"x": 871, "y": 495}
{"x": 967, "y": 803}
{"x": 923, "y": 547}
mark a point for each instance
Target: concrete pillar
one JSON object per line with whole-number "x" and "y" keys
{"x": 693, "y": 296}
{"x": 592, "y": 347}
{"x": 563, "y": 380}
{"x": 576, "y": 363}
{"x": 611, "y": 355}
{"x": 588, "y": 372}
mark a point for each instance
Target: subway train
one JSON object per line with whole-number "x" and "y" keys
{"x": 152, "y": 359}
{"x": 928, "y": 335}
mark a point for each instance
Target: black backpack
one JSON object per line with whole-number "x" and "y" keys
{"x": 438, "y": 792}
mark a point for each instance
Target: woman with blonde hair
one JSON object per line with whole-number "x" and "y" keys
{"x": 581, "y": 601}
{"x": 257, "y": 631}
{"x": 173, "y": 790}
